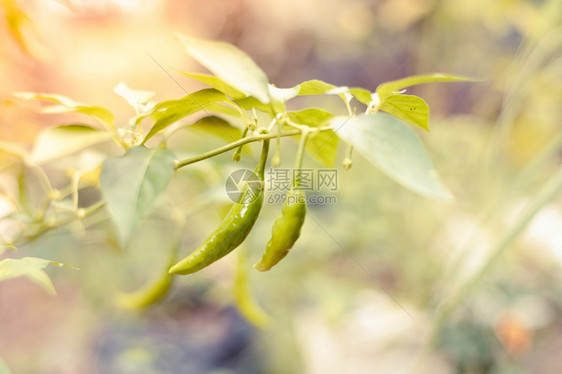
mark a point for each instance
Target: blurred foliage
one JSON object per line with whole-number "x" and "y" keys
{"x": 497, "y": 148}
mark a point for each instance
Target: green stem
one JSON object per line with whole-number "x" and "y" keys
{"x": 92, "y": 208}
{"x": 110, "y": 128}
{"x": 237, "y": 154}
{"x": 298, "y": 160}
{"x": 289, "y": 122}
{"x": 545, "y": 195}
{"x": 300, "y": 152}
{"x": 347, "y": 161}
{"x": 238, "y": 143}
{"x": 549, "y": 191}
{"x": 242, "y": 112}
{"x": 263, "y": 159}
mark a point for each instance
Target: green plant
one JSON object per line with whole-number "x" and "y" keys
{"x": 287, "y": 227}
{"x": 234, "y": 229}
{"x": 242, "y": 106}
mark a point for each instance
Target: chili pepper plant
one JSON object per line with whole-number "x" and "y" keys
{"x": 133, "y": 165}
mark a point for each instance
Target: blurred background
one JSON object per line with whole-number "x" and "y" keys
{"x": 384, "y": 281}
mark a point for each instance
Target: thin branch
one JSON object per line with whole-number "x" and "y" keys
{"x": 228, "y": 147}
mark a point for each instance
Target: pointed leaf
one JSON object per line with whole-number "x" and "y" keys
{"x": 216, "y": 83}
{"x": 312, "y": 117}
{"x": 22, "y": 29}
{"x": 170, "y": 111}
{"x": 14, "y": 151}
{"x": 322, "y": 146}
{"x": 395, "y": 149}
{"x": 283, "y": 95}
{"x": 318, "y": 87}
{"x": 279, "y": 96}
{"x": 387, "y": 88}
{"x": 30, "y": 267}
{"x": 4, "y": 247}
{"x": 216, "y": 126}
{"x": 315, "y": 87}
{"x": 250, "y": 103}
{"x": 411, "y": 109}
{"x": 230, "y": 64}
{"x": 362, "y": 95}
{"x": 136, "y": 98}
{"x": 243, "y": 296}
{"x": 132, "y": 183}
{"x": 62, "y": 141}
{"x": 34, "y": 189}
{"x": 223, "y": 109}
{"x": 4, "y": 369}
{"x": 67, "y": 105}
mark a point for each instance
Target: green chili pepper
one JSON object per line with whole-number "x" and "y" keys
{"x": 286, "y": 230}
{"x": 287, "y": 227}
{"x": 152, "y": 293}
{"x": 146, "y": 296}
{"x": 233, "y": 230}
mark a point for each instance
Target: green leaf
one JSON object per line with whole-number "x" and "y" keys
{"x": 322, "y": 146}
{"x": 243, "y": 296}
{"x": 394, "y": 148}
{"x": 279, "y": 96}
{"x": 16, "y": 23}
{"x": 362, "y": 95}
{"x": 22, "y": 29}
{"x": 64, "y": 140}
{"x": 34, "y": 190}
{"x": 136, "y": 98}
{"x": 411, "y": 109}
{"x": 253, "y": 103}
{"x": 30, "y": 267}
{"x": 14, "y": 151}
{"x": 132, "y": 183}
{"x": 312, "y": 117}
{"x": 283, "y": 95}
{"x": 315, "y": 87}
{"x": 386, "y": 89}
{"x": 4, "y": 369}
{"x": 170, "y": 111}
{"x": 216, "y": 126}
{"x": 67, "y": 105}
{"x": 318, "y": 87}
{"x": 216, "y": 83}
{"x": 223, "y": 109}
{"x": 4, "y": 247}
{"x": 230, "y": 64}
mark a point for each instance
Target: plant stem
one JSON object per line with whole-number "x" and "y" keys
{"x": 297, "y": 175}
{"x": 300, "y": 152}
{"x": 238, "y": 143}
{"x": 549, "y": 191}
{"x": 238, "y": 152}
{"x": 347, "y": 161}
